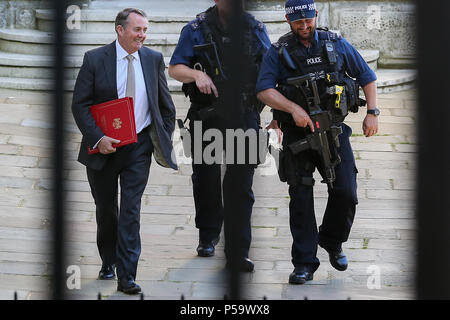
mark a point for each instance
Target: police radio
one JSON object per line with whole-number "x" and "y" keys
{"x": 330, "y": 52}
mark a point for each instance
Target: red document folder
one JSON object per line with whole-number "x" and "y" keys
{"x": 116, "y": 119}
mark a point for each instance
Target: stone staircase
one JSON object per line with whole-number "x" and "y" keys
{"x": 25, "y": 54}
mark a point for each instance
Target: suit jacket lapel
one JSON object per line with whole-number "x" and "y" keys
{"x": 150, "y": 77}
{"x": 110, "y": 63}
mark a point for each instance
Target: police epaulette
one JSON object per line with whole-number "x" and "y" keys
{"x": 260, "y": 25}
{"x": 283, "y": 40}
{"x": 195, "y": 24}
{"x": 254, "y": 24}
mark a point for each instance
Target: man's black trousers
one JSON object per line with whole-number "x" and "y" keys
{"x": 118, "y": 238}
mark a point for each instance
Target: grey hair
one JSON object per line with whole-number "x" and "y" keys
{"x": 122, "y": 16}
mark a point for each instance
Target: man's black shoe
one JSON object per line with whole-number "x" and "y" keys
{"x": 207, "y": 248}
{"x": 128, "y": 286}
{"x": 107, "y": 273}
{"x": 245, "y": 265}
{"x": 337, "y": 258}
{"x": 300, "y": 276}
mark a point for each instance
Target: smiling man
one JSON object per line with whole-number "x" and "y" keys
{"x": 305, "y": 51}
{"x": 123, "y": 68}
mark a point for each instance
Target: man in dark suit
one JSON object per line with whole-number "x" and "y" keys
{"x": 123, "y": 68}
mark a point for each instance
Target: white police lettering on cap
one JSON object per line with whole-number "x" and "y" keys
{"x": 293, "y": 9}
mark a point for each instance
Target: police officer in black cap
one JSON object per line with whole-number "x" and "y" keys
{"x": 304, "y": 51}
{"x": 204, "y": 74}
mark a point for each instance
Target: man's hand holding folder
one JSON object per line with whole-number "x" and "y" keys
{"x": 116, "y": 120}
{"x": 107, "y": 145}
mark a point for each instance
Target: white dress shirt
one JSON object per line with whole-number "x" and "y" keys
{"x": 141, "y": 107}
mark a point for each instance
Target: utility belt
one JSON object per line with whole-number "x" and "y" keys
{"x": 204, "y": 111}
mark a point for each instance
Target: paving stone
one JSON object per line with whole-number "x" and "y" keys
{"x": 406, "y": 280}
{"x": 391, "y": 194}
{"x": 24, "y": 282}
{"x": 376, "y": 164}
{"x": 409, "y": 245}
{"x": 384, "y": 214}
{"x": 360, "y": 146}
{"x": 208, "y": 291}
{"x": 4, "y": 138}
{"x": 37, "y": 173}
{"x": 391, "y": 173}
{"x": 18, "y": 161}
{"x": 374, "y": 184}
{"x": 184, "y": 191}
{"x": 35, "y": 151}
{"x": 197, "y": 275}
{"x": 260, "y": 291}
{"x": 402, "y": 184}
{"x": 173, "y": 200}
{"x": 383, "y": 139}
{"x": 35, "y": 141}
{"x": 167, "y": 209}
{"x": 396, "y": 156}
{"x": 370, "y": 233}
{"x": 9, "y": 149}
{"x": 77, "y": 175}
{"x": 23, "y": 234}
{"x": 167, "y": 290}
{"x": 23, "y": 268}
{"x": 408, "y": 148}
{"x": 155, "y": 229}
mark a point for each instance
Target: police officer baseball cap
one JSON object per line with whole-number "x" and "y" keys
{"x": 300, "y": 9}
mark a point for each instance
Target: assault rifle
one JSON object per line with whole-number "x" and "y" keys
{"x": 211, "y": 64}
{"x": 324, "y": 140}
{"x": 208, "y": 62}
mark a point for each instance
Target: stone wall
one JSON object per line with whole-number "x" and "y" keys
{"x": 387, "y": 26}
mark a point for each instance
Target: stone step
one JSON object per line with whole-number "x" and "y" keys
{"x": 388, "y": 81}
{"x": 102, "y": 21}
{"x": 391, "y": 80}
{"x": 19, "y": 65}
{"x": 48, "y": 84}
{"x": 32, "y": 66}
{"x": 40, "y": 43}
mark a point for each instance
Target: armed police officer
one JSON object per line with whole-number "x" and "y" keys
{"x": 201, "y": 62}
{"x": 305, "y": 79}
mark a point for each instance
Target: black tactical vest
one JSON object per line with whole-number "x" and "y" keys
{"x": 318, "y": 59}
{"x": 208, "y": 26}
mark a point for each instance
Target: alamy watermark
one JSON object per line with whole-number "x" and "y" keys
{"x": 229, "y": 146}
{"x": 74, "y": 277}
{"x": 73, "y": 21}
{"x": 374, "y": 19}
{"x": 374, "y": 279}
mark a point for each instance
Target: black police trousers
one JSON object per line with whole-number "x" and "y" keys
{"x": 212, "y": 199}
{"x": 340, "y": 210}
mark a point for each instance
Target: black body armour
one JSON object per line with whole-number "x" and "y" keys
{"x": 339, "y": 93}
{"x": 207, "y": 22}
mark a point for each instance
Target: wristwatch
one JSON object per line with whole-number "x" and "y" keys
{"x": 375, "y": 112}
